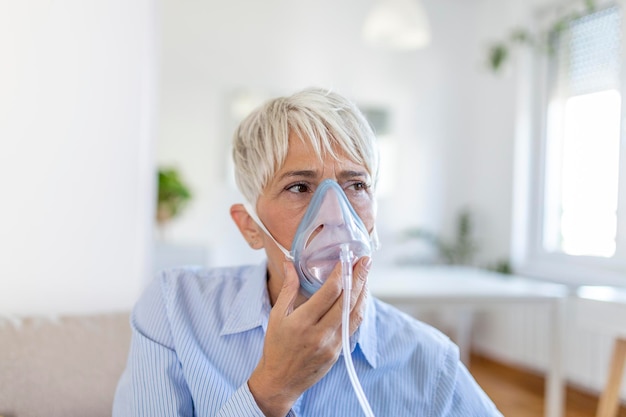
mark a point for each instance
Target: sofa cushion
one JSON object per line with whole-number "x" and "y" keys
{"x": 67, "y": 366}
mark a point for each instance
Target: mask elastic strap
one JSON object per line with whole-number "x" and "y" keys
{"x": 252, "y": 212}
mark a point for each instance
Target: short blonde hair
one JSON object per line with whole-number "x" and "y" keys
{"x": 328, "y": 121}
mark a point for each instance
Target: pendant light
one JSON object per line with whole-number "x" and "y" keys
{"x": 397, "y": 24}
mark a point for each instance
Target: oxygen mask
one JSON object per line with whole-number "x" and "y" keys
{"x": 329, "y": 224}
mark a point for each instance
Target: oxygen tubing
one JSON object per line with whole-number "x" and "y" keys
{"x": 346, "y": 267}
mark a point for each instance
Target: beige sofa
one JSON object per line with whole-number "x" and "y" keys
{"x": 67, "y": 366}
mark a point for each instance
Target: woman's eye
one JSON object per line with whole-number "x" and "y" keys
{"x": 358, "y": 186}
{"x": 298, "y": 188}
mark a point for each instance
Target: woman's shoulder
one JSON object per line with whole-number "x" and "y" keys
{"x": 203, "y": 278}
{"x": 180, "y": 293}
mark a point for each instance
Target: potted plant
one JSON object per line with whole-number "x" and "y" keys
{"x": 173, "y": 195}
{"x": 499, "y": 53}
{"x": 460, "y": 250}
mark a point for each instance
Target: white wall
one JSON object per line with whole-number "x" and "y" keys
{"x": 479, "y": 157}
{"x": 77, "y": 94}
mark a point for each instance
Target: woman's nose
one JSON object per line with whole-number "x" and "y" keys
{"x": 331, "y": 213}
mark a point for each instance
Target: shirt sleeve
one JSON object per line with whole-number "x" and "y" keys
{"x": 153, "y": 382}
{"x": 242, "y": 403}
{"x": 457, "y": 394}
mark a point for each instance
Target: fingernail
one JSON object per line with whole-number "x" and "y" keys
{"x": 367, "y": 262}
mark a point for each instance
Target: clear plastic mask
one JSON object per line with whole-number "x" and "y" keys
{"x": 329, "y": 222}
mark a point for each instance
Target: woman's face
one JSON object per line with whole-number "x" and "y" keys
{"x": 285, "y": 199}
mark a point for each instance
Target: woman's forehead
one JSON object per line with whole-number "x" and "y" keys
{"x": 302, "y": 155}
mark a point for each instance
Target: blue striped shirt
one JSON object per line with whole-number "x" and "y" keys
{"x": 198, "y": 334}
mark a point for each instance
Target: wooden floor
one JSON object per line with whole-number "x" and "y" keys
{"x": 517, "y": 393}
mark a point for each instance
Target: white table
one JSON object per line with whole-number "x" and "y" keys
{"x": 472, "y": 289}
{"x": 608, "y": 314}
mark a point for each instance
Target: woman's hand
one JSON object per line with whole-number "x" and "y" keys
{"x": 301, "y": 345}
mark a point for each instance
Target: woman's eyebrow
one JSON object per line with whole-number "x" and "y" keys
{"x": 343, "y": 175}
{"x": 312, "y": 174}
{"x": 304, "y": 173}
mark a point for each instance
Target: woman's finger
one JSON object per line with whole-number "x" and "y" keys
{"x": 288, "y": 293}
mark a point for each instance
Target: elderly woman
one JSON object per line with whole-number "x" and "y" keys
{"x": 248, "y": 340}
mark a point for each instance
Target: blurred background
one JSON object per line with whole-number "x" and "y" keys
{"x": 97, "y": 97}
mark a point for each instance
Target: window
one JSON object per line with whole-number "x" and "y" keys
{"x": 577, "y": 214}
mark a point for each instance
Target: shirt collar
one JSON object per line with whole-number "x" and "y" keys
{"x": 251, "y": 308}
{"x": 365, "y": 336}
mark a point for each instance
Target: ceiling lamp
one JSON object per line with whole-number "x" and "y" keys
{"x": 397, "y": 24}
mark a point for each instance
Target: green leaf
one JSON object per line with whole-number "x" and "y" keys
{"x": 497, "y": 56}
{"x": 460, "y": 250}
{"x": 172, "y": 194}
{"x": 499, "y": 53}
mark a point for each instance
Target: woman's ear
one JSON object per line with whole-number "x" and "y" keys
{"x": 250, "y": 231}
